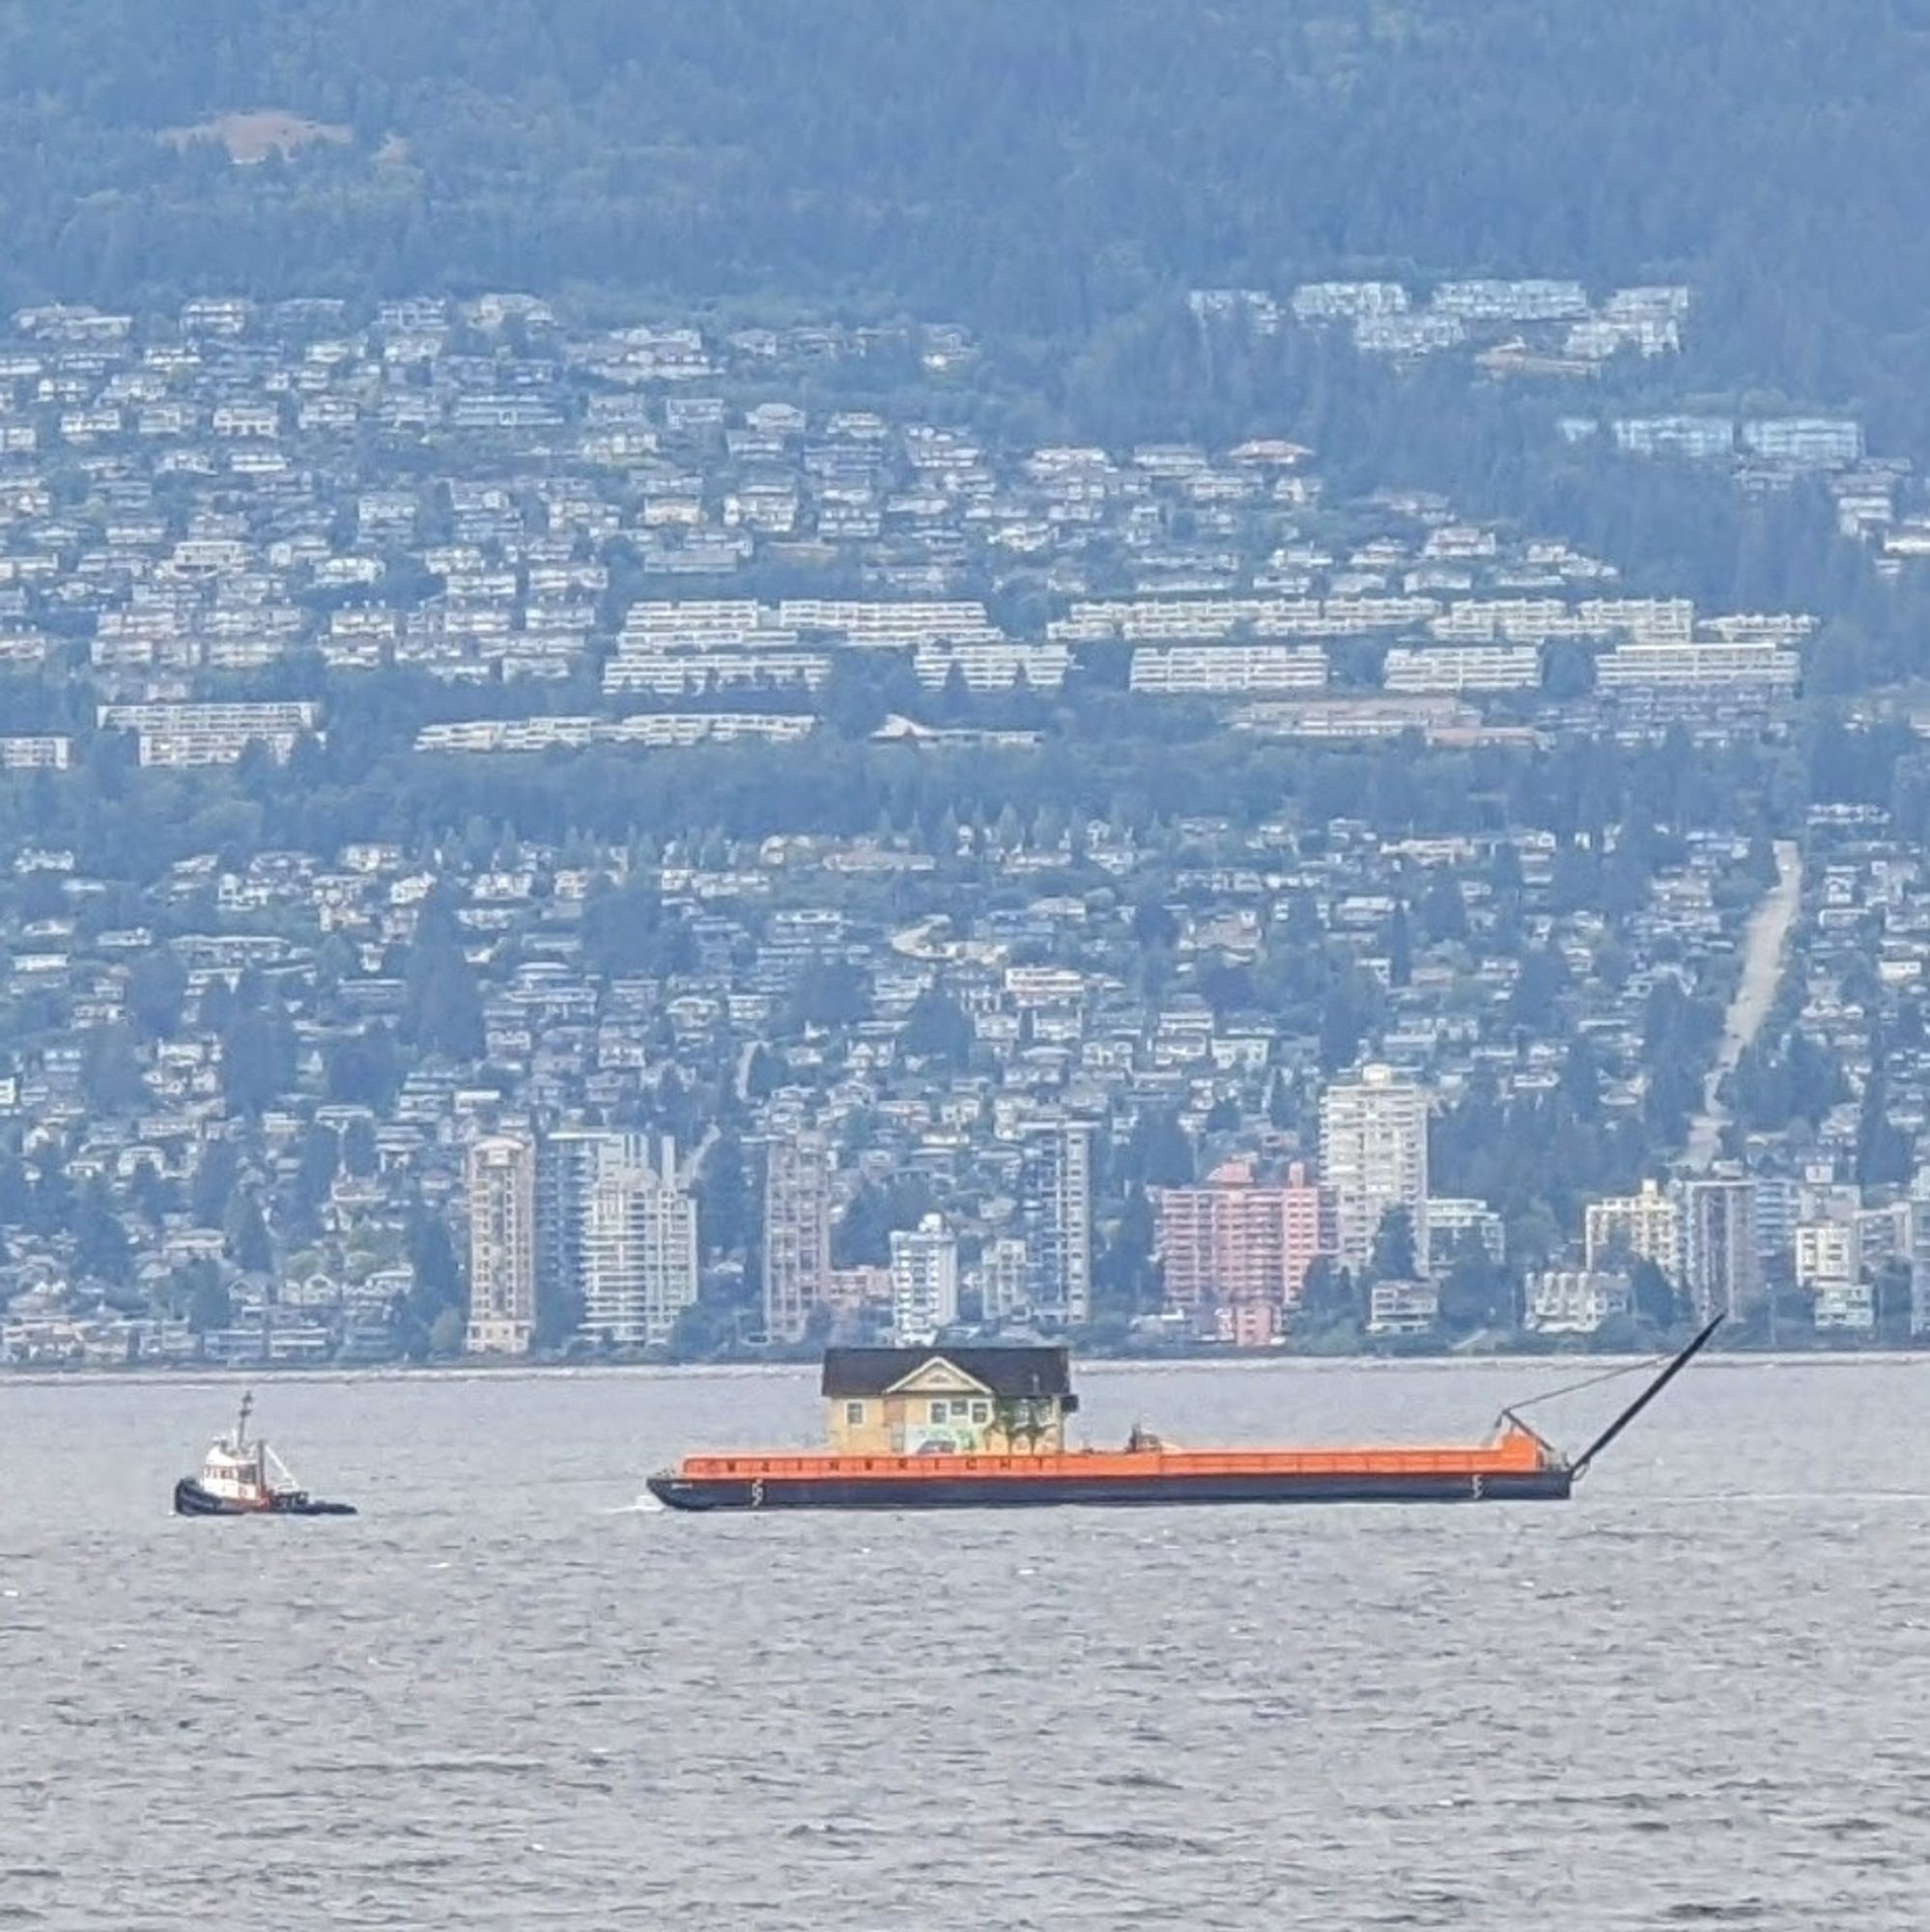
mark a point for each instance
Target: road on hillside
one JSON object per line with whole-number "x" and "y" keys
{"x": 1763, "y": 943}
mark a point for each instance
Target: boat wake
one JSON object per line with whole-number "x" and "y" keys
{"x": 645, "y": 1504}
{"x": 1782, "y": 1497}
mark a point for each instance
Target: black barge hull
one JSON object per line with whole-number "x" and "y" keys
{"x": 191, "y": 1500}
{"x": 924, "y": 1493}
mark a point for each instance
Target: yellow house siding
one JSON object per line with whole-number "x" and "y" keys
{"x": 855, "y": 1428}
{"x": 900, "y": 1424}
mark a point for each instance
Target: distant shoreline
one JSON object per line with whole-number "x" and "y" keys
{"x": 210, "y": 1376}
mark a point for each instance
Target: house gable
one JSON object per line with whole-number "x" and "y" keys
{"x": 938, "y": 1377}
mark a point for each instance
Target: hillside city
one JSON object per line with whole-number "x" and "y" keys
{"x": 669, "y": 842}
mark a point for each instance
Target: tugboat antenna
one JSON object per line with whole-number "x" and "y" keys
{"x": 1642, "y": 1401}
{"x": 242, "y": 1427}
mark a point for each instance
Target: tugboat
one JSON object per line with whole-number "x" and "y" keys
{"x": 984, "y": 1427}
{"x": 242, "y": 1476}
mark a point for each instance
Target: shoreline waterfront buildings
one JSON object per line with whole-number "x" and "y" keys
{"x": 797, "y": 765}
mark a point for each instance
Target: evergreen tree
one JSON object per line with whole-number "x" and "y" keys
{"x": 432, "y": 1259}
{"x": 863, "y": 1235}
{"x": 1158, "y": 1154}
{"x": 1581, "y": 1078}
{"x": 360, "y": 1154}
{"x": 319, "y": 1158}
{"x": 441, "y": 1006}
{"x": 622, "y": 927}
{"x": 1654, "y": 1294}
{"x": 1398, "y": 942}
{"x": 1394, "y": 1258}
{"x": 1153, "y": 924}
{"x": 156, "y": 989}
{"x": 937, "y": 1029}
{"x": 257, "y": 1060}
{"x": 361, "y": 1069}
{"x": 1126, "y": 1278}
{"x": 1477, "y": 1293}
{"x": 1329, "y": 1292}
{"x": 209, "y": 1304}
{"x": 728, "y": 1210}
{"x": 247, "y": 1241}
{"x": 831, "y": 993}
{"x": 101, "y": 1250}
{"x": 111, "y": 1078}
{"x": 1882, "y": 1149}
{"x": 216, "y": 1174}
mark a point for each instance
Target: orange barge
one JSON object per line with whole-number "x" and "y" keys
{"x": 1517, "y": 1466}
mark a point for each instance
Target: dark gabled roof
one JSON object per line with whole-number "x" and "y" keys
{"x": 1008, "y": 1372}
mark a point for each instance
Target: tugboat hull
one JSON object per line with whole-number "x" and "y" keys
{"x": 1109, "y": 1491}
{"x": 192, "y": 1498}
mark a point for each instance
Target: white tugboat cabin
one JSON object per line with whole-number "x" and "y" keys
{"x": 242, "y": 1476}
{"x": 244, "y": 1473}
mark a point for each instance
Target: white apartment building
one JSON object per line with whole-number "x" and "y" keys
{"x": 1697, "y": 438}
{"x": 1830, "y": 1264}
{"x": 1463, "y": 668}
{"x": 653, "y": 729}
{"x": 1374, "y": 1158}
{"x": 1519, "y": 620}
{"x": 1849, "y": 1304}
{"x": 35, "y": 754}
{"x": 677, "y": 672}
{"x": 992, "y": 664}
{"x": 210, "y": 734}
{"x": 1708, "y": 666}
{"x": 1402, "y": 1307}
{"x": 1450, "y": 1221}
{"x": 797, "y": 1233}
{"x": 1721, "y": 1266}
{"x": 570, "y": 1163}
{"x": 1205, "y": 669}
{"x": 639, "y": 1255}
{"x": 1602, "y": 336}
{"x": 889, "y": 625}
{"x": 1827, "y": 1253}
{"x": 1003, "y": 1278}
{"x": 250, "y": 719}
{"x": 697, "y": 619}
{"x": 1055, "y": 1210}
{"x": 502, "y": 1245}
{"x": 1408, "y": 334}
{"x": 1530, "y": 300}
{"x": 1918, "y": 1252}
{"x": 1646, "y": 1225}
{"x": 924, "y": 1281}
{"x": 1761, "y": 627}
{"x": 182, "y": 749}
{"x": 1190, "y": 619}
{"x": 1348, "y": 301}
{"x": 1574, "y": 1301}
{"x": 1529, "y": 620}
{"x": 1653, "y": 620}
{"x": 1821, "y": 442}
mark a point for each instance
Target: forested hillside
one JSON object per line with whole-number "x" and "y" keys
{"x": 1037, "y": 166}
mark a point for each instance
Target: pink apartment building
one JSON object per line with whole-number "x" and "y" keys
{"x": 1233, "y": 1243}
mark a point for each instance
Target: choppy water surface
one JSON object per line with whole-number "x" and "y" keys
{"x": 504, "y": 1697}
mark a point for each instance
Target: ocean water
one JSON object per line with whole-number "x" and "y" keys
{"x": 506, "y": 1696}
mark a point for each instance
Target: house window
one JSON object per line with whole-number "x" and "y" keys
{"x": 940, "y": 1412}
{"x": 982, "y": 1412}
{"x": 854, "y": 1414}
